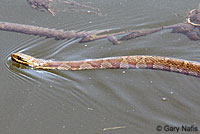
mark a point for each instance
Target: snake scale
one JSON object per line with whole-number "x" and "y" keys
{"x": 122, "y": 62}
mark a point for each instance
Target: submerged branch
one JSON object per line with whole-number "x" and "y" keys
{"x": 87, "y": 36}
{"x": 46, "y": 32}
{"x": 50, "y": 6}
{"x": 35, "y": 30}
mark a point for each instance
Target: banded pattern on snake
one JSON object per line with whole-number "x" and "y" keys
{"x": 121, "y": 62}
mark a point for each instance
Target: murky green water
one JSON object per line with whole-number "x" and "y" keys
{"x": 88, "y": 102}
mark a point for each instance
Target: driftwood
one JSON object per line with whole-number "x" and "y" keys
{"x": 42, "y": 5}
{"x": 47, "y": 5}
{"x": 85, "y": 36}
{"x": 46, "y": 32}
{"x": 191, "y": 28}
{"x": 192, "y": 32}
{"x": 115, "y": 38}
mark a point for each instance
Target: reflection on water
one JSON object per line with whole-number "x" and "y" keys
{"x": 97, "y": 101}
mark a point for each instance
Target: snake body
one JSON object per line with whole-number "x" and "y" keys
{"x": 121, "y": 62}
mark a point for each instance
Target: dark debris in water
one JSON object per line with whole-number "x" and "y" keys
{"x": 50, "y": 6}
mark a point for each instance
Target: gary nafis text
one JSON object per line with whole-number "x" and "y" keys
{"x": 183, "y": 128}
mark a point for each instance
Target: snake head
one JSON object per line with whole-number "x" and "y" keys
{"x": 26, "y": 59}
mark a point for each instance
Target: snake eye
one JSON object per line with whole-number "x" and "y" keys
{"x": 19, "y": 58}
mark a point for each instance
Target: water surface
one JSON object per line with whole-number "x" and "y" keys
{"x": 88, "y": 102}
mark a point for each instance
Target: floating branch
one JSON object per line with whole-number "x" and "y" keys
{"x": 192, "y": 32}
{"x": 191, "y": 28}
{"x": 50, "y": 33}
{"x": 115, "y": 38}
{"x": 86, "y": 36}
{"x": 35, "y": 30}
{"x": 47, "y": 5}
{"x": 42, "y": 5}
